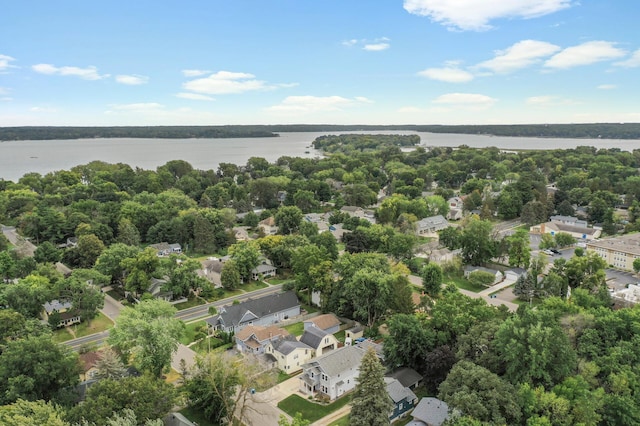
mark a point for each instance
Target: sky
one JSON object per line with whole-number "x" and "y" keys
{"x": 215, "y": 62}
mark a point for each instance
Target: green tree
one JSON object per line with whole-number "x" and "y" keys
{"x": 247, "y": 257}
{"x": 370, "y": 404}
{"x": 369, "y": 292}
{"x": 28, "y": 295}
{"x": 111, "y": 260}
{"x": 149, "y": 333}
{"x": 636, "y": 265}
{"x": 148, "y": 397}
{"x": 477, "y": 243}
{"x": 109, "y": 365}
{"x": 27, "y": 413}
{"x": 128, "y": 233}
{"x": 288, "y": 219}
{"x": 481, "y": 394}
{"x": 230, "y": 276}
{"x": 87, "y": 251}
{"x": 409, "y": 341}
{"x": 140, "y": 270}
{"x": 297, "y": 420}
{"x": 432, "y": 279}
{"x": 564, "y": 239}
{"x": 36, "y": 368}
{"x": 183, "y": 276}
{"x": 86, "y": 300}
{"x": 481, "y": 278}
{"x": 47, "y": 252}
{"x": 519, "y": 249}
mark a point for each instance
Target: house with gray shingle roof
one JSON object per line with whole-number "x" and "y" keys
{"x": 429, "y": 226}
{"x": 430, "y": 412}
{"x": 288, "y": 353}
{"x": 265, "y": 311}
{"x": 402, "y": 397}
{"x": 333, "y": 374}
{"x": 321, "y": 341}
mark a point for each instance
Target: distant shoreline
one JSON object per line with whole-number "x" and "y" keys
{"x": 621, "y": 131}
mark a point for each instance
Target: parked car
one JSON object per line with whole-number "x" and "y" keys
{"x": 547, "y": 252}
{"x": 554, "y": 251}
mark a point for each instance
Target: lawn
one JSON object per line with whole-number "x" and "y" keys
{"x": 253, "y": 286}
{"x": 203, "y": 346}
{"x": 195, "y": 416}
{"x": 296, "y": 328}
{"x": 190, "y": 303}
{"x": 462, "y": 283}
{"x": 340, "y": 335}
{"x": 98, "y": 324}
{"x": 310, "y": 410}
{"x": 190, "y": 332}
{"x": 342, "y": 421}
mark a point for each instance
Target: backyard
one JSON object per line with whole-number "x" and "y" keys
{"x": 98, "y": 324}
{"x": 310, "y": 410}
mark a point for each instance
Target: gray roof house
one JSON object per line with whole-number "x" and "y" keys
{"x": 319, "y": 340}
{"x": 165, "y": 249}
{"x": 402, "y": 397}
{"x": 431, "y": 225}
{"x": 263, "y": 270}
{"x": 288, "y": 353}
{"x": 333, "y": 374}
{"x": 429, "y": 412}
{"x": 264, "y": 311}
{"x": 408, "y": 377}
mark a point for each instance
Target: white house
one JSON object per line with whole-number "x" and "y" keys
{"x": 429, "y": 226}
{"x": 319, "y": 340}
{"x": 288, "y": 353}
{"x": 333, "y": 374}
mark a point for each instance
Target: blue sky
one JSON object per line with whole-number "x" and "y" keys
{"x": 219, "y": 62}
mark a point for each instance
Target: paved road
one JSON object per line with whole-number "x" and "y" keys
{"x": 24, "y": 246}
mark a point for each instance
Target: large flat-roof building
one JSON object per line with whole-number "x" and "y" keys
{"x": 618, "y": 251}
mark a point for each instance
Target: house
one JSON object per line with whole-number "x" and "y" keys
{"x": 156, "y": 290}
{"x": 443, "y": 255}
{"x": 264, "y": 311}
{"x": 430, "y": 412}
{"x": 165, "y": 249}
{"x": 627, "y": 296}
{"x": 359, "y": 212}
{"x": 468, "y": 270}
{"x": 327, "y": 322}
{"x": 368, "y": 343}
{"x": 211, "y": 270}
{"x": 254, "y": 338}
{"x": 353, "y": 333}
{"x": 63, "y": 310}
{"x": 268, "y": 226}
{"x": 456, "y": 206}
{"x": 88, "y": 362}
{"x": 578, "y": 232}
{"x": 63, "y": 269}
{"x": 618, "y": 251}
{"x": 568, "y": 220}
{"x": 402, "y": 397}
{"x": 514, "y": 273}
{"x": 337, "y": 231}
{"x": 333, "y": 374}
{"x": 240, "y": 233}
{"x": 408, "y": 377}
{"x": 429, "y": 226}
{"x": 288, "y": 353}
{"x": 263, "y": 271}
{"x": 319, "y": 340}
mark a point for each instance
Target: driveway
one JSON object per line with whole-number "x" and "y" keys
{"x": 24, "y": 247}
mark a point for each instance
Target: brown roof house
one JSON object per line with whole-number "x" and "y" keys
{"x": 327, "y": 322}
{"x": 254, "y": 338}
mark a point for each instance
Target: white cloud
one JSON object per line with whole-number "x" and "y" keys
{"x": 194, "y": 96}
{"x": 225, "y": 82}
{"x": 607, "y": 87}
{"x": 5, "y": 62}
{"x": 584, "y": 54}
{"x": 194, "y": 73}
{"x": 305, "y": 104}
{"x": 448, "y": 74}
{"x": 89, "y": 73}
{"x": 376, "y": 47}
{"x": 363, "y": 99}
{"x": 632, "y": 62}
{"x": 476, "y": 14}
{"x": 519, "y": 55}
{"x": 466, "y": 100}
{"x": 138, "y": 107}
{"x": 132, "y": 80}
{"x": 42, "y": 109}
{"x": 549, "y": 100}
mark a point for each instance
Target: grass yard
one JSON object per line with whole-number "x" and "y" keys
{"x": 203, "y": 346}
{"x": 195, "y": 416}
{"x": 462, "y": 283}
{"x": 340, "y": 335}
{"x": 190, "y": 303}
{"x": 296, "y": 328}
{"x": 342, "y": 421}
{"x": 190, "y": 332}
{"x": 98, "y": 324}
{"x": 309, "y": 308}
{"x": 310, "y": 410}
{"x": 276, "y": 281}
{"x": 253, "y": 286}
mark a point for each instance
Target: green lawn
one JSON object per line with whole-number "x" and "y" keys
{"x": 253, "y": 286}
{"x": 310, "y": 410}
{"x": 342, "y": 421}
{"x": 340, "y": 335}
{"x": 98, "y": 324}
{"x": 203, "y": 346}
{"x": 462, "y": 283}
{"x": 196, "y": 416}
{"x": 190, "y": 303}
{"x": 296, "y": 328}
{"x": 190, "y": 332}
{"x": 276, "y": 281}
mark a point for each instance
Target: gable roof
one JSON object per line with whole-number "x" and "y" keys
{"x": 231, "y": 315}
{"x": 406, "y": 376}
{"x": 270, "y": 221}
{"x": 431, "y": 411}
{"x": 57, "y": 305}
{"x": 286, "y": 345}
{"x": 337, "y": 361}
{"x": 397, "y": 392}
{"x": 88, "y": 360}
{"x": 428, "y": 222}
{"x": 324, "y": 322}
{"x": 313, "y": 336}
{"x": 261, "y": 333}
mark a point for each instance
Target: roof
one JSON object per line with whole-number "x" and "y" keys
{"x": 270, "y": 221}
{"x": 397, "y": 391}
{"x": 161, "y": 246}
{"x": 231, "y": 315}
{"x": 261, "y": 333}
{"x": 337, "y": 361}
{"x": 325, "y": 322}
{"x": 88, "y": 360}
{"x": 629, "y": 243}
{"x": 470, "y": 268}
{"x": 432, "y": 221}
{"x": 288, "y": 344}
{"x": 313, "y": 336}
{"x": 56, "y": 305}
{"x": 431, "y": 411}
{"x": 406, "y": 376}
{"x": 368, "y": 343}
{"x": 263, "y": 268}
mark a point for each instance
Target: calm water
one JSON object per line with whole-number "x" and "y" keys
{"x": 20, "y": 157}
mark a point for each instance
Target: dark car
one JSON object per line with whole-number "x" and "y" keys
{"x": 554, "y": 251}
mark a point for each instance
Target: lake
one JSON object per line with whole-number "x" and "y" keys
{"x": 20, "y": 157}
